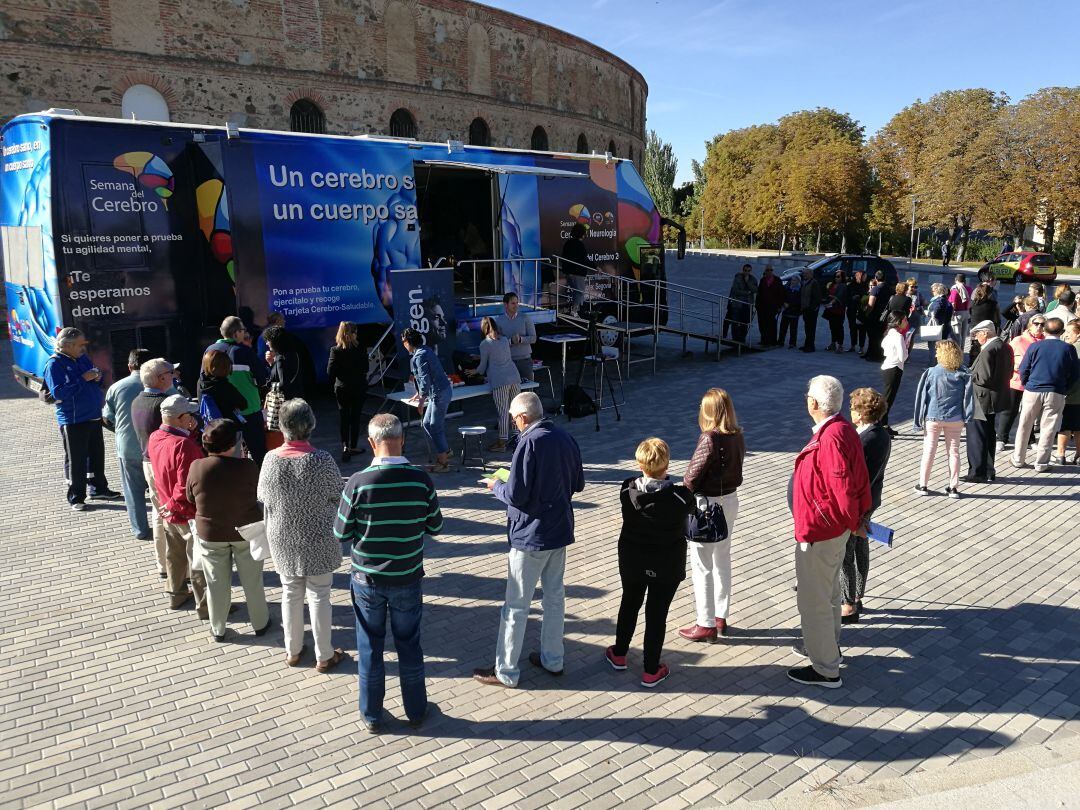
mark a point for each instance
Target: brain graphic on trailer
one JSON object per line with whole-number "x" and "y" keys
{"x": 149, "y": 171}
{"x": 581, "y": 214}
{"x": 213, "y": 207}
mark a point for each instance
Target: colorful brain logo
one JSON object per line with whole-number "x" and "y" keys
{"x": 213, "y": 207}
{"x": 149, "y": 171}
{"x": 581, "y": 214}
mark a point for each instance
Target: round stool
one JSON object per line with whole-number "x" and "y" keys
{"x": 477, "y": 433}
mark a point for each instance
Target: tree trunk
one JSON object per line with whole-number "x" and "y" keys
{"x": 843, "y": 241}
{"x": 783, "y": 240}
{"x": 879, "y": 243}
{"x": 1076, "y": 250}
{"x": 1048, "y": 234}
{"x": 817, "y": 244}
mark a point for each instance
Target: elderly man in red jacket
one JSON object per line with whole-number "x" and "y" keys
{"x": 172, "y": 448}
{"x": 830, "y": 493}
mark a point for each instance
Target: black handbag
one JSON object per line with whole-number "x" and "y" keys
{"x": 707, "y": 525}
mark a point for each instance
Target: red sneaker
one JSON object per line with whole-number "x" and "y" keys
{"x": 618, "y": 662}
{"x": 649, "y": 681}
{"x": 721, "y": 626}
{"x": 696, "y": 632}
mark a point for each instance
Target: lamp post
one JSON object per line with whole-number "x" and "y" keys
{"x": 911, "y": 249}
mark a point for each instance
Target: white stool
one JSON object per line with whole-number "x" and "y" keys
{"x": 476, "y": 431}
{"x": 551, "y": 384}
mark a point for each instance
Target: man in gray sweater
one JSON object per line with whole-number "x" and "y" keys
{"x": 521, "y": 333}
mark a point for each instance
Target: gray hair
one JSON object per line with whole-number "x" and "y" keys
{"x": 528, "y": 405}
{"x": 67, "y": 335}
{"x": 383, "y": 426}
{"x": 230, "y": 326}
{"x": 296, "y": 419}
{"x": 152, "y": 369}
{"x": 937, "y": 288}
{"x": 828, "y": 392}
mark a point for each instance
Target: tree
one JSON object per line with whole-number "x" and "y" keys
{"x": 658, "y": 168}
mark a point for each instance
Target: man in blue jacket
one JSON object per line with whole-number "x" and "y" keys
{"x": 544, "y": 475}
{"x": 1048, "y": 370}
{"x": 75, "y": 386}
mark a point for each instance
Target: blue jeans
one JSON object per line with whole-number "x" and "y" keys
{"x": 134, "y": 485}
{"x": 405, "y": 603}
{"x": 434, "y": 420}
{"x": 524, "y": 568}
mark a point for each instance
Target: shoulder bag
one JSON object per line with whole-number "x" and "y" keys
{"x": 706, "y": 523}
{"x": 275, "y": 398}
{"x": 255, "y": 534}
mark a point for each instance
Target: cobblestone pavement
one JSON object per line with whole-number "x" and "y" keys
{"x": 970, "y": 644}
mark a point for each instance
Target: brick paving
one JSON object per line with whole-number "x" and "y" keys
{"x": 970, "y": 645}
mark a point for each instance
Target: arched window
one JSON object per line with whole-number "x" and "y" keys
{"x": 611, "y": 149}
{"x": 479, "y": 134}
{"x": 582, "y": 144}
{"x": 539, "y": 139}
{"x": 144, "y": 103}
{"x": 305, "y": 116}
{"x": 402, "y": 124}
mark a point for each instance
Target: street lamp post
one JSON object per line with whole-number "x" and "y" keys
{"x": 911, "y": 250}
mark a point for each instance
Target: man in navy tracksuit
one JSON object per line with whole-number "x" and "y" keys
{"x": 75, "y": 386}
{"x": 544, "y": 475}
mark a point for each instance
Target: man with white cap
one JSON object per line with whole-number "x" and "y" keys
{"x": 172, "y": 449}
{"x": 990, "y": 375}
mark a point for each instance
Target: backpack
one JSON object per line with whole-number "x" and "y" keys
{"x": 577, "y": 403}
{"x": 707, "y": 525}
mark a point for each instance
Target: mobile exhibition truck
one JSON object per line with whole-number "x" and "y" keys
{"x": 149, "y": 234}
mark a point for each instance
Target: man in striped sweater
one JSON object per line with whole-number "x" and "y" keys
{"x": 386, "y": 511}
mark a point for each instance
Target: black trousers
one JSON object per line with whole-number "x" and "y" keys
{"x": 875, "y": 331}
{"x": 767, "y": 326}
{"x": 856, "y": 329}
{"x": 1006, "y": 419}
{"x": 254, "y": 431}
{"x": 890, "y": 379}
{"x": 788, "y": 325}
{"x": 660, "y": 595}
{"x": 809, "y": 320}
{"x": 836, "y": 330}
{"x": 350, "y": 404}
{"x": 980, "y": 446}
{"x": 855, "y": 568}
{"x": 84, "y": 446}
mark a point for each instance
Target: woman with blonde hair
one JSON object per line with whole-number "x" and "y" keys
{"x": 943, "y": 403}
{"x": 713, "y": 475}
{"x": 348, "y": 371}
{"x": 497, "y": 364}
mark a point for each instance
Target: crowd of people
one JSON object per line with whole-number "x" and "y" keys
{"x": 216, "y": 488}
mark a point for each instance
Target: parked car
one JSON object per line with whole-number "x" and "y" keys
{"x": 824, "y": 269}
{"x": 1020, "y": 267}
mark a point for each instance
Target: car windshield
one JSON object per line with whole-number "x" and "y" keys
{"x": 820, "y": 263}
{"x": 1041, "y": 260}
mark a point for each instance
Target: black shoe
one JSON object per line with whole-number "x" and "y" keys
{"x": 974, "y": 479}
{"x": 345, "y": 456}
{"x": 429, "y": 710}
{"x": 372, "y": 726}
{"x": 892, "y": 432}
{"x": 807, "y": 350}
{"x": 265, "y": 628}
{"x": 78, "y": 506}
{"x": 105, "y": 495}
{"x": 534, "y": 659}
{"x": 851, "y": 618}
{"x": 811, "y": 677}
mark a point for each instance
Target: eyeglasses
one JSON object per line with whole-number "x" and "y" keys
{"x": 1038, "y": 323}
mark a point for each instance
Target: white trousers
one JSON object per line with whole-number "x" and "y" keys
{"x": 710, "y": 567}
{"x": 292, "y": 613}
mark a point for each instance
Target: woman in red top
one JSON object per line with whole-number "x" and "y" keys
{"x": 714, "y": 473}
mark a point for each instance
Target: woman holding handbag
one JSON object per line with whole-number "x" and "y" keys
{"x": 222, "y": 487}
{"x": 713, "y": 475}
{"x": 835, "y": 309}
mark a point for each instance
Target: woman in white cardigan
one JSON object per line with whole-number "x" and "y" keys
{"x": 895, "y": 347}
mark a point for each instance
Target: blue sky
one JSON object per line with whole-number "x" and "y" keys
{"x": 716, "y": 66}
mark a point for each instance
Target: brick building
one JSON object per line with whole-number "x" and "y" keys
{"x": 431, "y": 69}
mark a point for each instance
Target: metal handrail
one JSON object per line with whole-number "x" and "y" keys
{"x": 496, "y": 276}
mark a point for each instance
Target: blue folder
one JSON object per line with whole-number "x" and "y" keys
{"x": 881, "y": 534}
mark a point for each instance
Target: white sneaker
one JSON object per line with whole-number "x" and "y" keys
{"x": 999, "y": 447}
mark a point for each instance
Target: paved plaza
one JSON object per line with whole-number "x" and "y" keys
{"x": 969, "y": 647}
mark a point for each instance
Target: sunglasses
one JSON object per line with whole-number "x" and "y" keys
{"x": 1039, "y": 323}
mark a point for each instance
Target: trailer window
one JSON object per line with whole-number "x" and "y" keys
{"x": 24, "y": 259}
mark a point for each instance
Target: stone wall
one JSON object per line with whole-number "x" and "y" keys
{"x": 248, "y": 61}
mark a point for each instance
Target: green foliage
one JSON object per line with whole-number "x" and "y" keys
{"x": 658, "y": 168}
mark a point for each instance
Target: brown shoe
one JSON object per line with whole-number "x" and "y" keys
{"x": 178, "y": 602}
{"x": 488, "y": 677}
{"x": 696, "y": 632}
{"x": 330, "y": 663}
{"x": 536, "y": 661}
{"x": 721, "y": 626}
{"x": 294, "y": 660}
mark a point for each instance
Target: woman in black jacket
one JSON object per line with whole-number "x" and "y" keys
{"x": 219, "y": 398}
{"x": 868, "y": 408}
{"x": 652, "y": 556}
{"x": 286, "y": 365}
{"x": 348, "y": 371}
